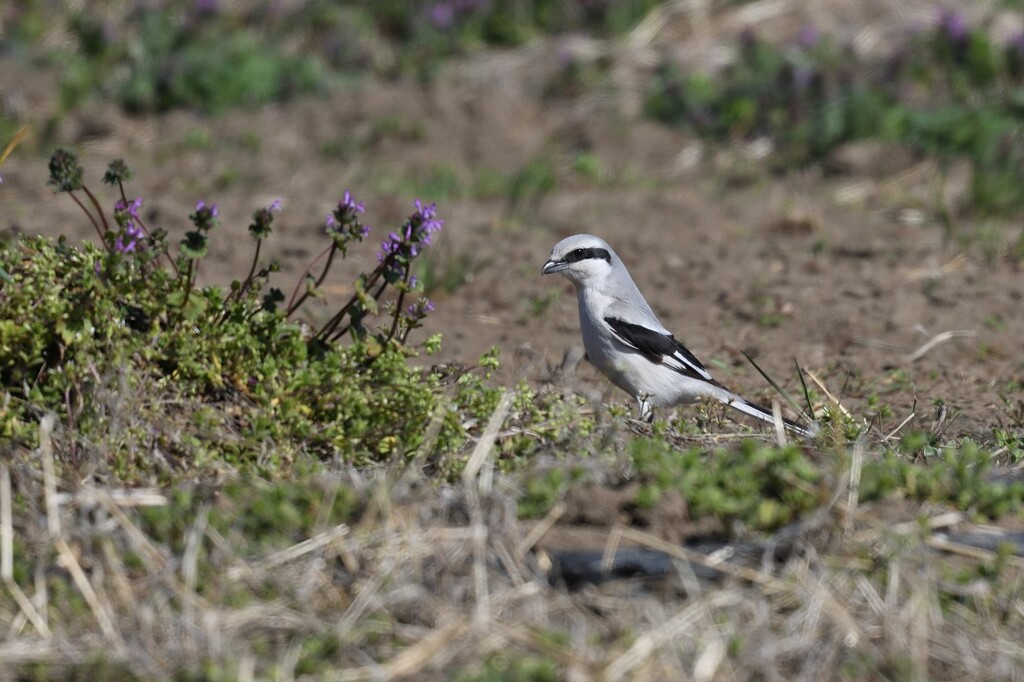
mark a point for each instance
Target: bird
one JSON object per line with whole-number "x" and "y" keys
{"x": 626, "y": 342}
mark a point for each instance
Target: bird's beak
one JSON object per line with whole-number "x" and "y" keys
{"x": 553, "y": 266}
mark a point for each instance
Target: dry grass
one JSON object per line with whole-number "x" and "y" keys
{"x": 428, "y": 581}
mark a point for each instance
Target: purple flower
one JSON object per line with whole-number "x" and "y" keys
{"x": 808, "y": 37}
{"x": 426, "y": 221}
{"x": 343, "y": 221}
{"x": 389, "y": 246}
{"x": 262, "y": 220}
{"x": 416, "y": 232}
{"x": 1016, "y": 43}
{"x": 954, "y": 25}
{"x": 418, "y": 310}
{"x": 124, "y": 246}
{"x": 131, "y": 210}
{"x": 207, "y": 7}
{"x": 127, "y": 217}
{"x": 205, "y": 217}
{"x": 442, "y": 15}
{"x": 349, "y": 204}
{"x": 213, "y": 210}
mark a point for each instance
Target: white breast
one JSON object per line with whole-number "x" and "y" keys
{"x": 624, "y": 366}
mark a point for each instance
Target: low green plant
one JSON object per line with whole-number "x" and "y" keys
{"x": 170, "y": 56}
{"x": 956, "y": 474}
{"x": 948, "y": 92}
{"x": 530, "y": 184}
{"x": 762, "y": 486}
{"x": 215, "y": 56}
{"x": 84, "y": 323}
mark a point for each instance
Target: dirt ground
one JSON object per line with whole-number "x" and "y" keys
{"x": 846, "y": 271}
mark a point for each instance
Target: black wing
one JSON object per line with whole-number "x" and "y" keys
{"x": 658, "y": 347}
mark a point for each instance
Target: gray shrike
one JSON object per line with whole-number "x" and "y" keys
{"x": 626, "y": 342}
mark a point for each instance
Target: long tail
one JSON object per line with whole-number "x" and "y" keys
{"x": 763, "y": 413}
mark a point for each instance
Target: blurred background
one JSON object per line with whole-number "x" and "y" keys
{"x": 837, "y": 182}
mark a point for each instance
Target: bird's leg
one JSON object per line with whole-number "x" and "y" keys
{"x": 645, "y": 408}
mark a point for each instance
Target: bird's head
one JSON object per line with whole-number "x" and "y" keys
{"x": 582, "y": 258}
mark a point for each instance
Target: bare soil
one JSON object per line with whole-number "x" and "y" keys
{"x": 846, "y": 271}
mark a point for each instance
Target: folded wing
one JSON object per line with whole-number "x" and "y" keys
{"x": 659, "y": 347}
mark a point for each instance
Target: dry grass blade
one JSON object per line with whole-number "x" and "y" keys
{"x": 939, "y": 542}
{"x": 832, "y": 398}
{"x": 840, "y": 616}
{"x": 15, "y": 141}
{"x": 649, "y": 642}
{"x": 903, "y": 423}
{"x": 936, "y": 340}
{"x": 413, "y": 659}
{"x": 473, "y": 490}
{"x": 526, "y": 637}
{"x": 150, "y": 554}
{"x": 136, "y": 497}
{"x": 291, "y": 553}
{"x": 541, "y": 529}
{"x": 853, "y": 496}
{"x": 7, "y": 554}
{"x": 486, "y": 442}
{"x": 102, "y": 611}
{"x": 780, "y": 427}
{"x": 359, "y": 605}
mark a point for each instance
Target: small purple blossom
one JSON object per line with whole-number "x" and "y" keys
{"x": 428, "y": 221}
{"x": 349, "y": 204}
{"x": 207, "y": 7}
{"x": 808, "y": 37}
{"x": 205, "y": 216}
{"x": 418, "y": 310}
{"x": 390, "y": 246}
{"x": 127, "y": 217}
{"x": 442, "y": 15}
{"x": 212, "y": 209}
{"x": 262, "y": 220}
{"x": 416, "y": 233}
{"x": 953, "y": 25}
{"x": 343, "y": 221}
{"x": 1016, "y": 44}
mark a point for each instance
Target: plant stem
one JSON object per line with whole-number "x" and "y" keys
{"x": 99, "y": 210}
{"x": 376, "y": 297}
{"x": 293, "y": 305}
{"x": 99, "y": 230}
{"x": 145, "y": 230}
{"x": 188, "y": 282}
{"x": 398, "y": 305}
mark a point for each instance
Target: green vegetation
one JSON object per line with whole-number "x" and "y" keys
{"x": 214, "y": 56}
{"x": 948, "y": 93}
{"x": 87, "y": 331}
